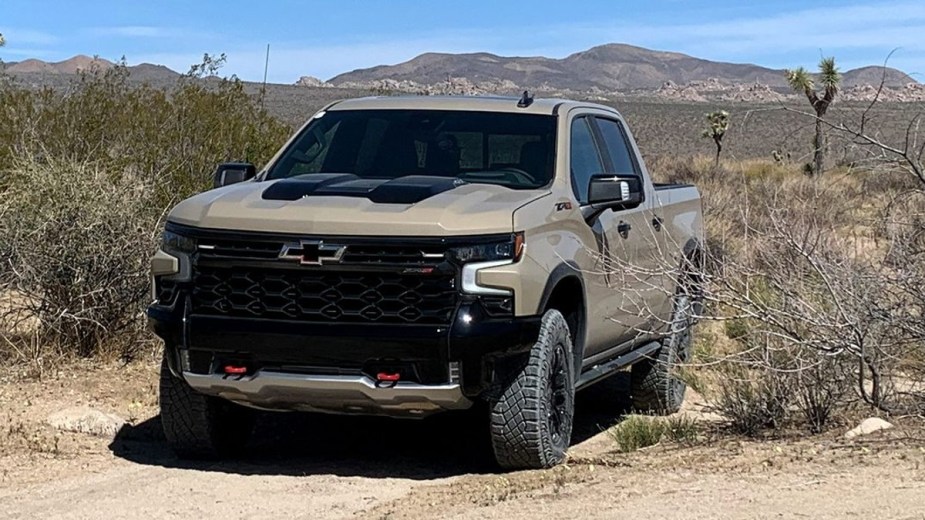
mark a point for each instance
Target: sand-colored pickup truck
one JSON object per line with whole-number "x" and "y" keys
{"x": 405, "y": 256}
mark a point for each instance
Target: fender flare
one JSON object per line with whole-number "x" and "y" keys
{"x": 563, "y": 271}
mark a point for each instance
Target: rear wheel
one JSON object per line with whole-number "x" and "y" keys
{"x": 531, "y": 421}
{"x": 656, "y": 386}
{"x": 199, "y": 426}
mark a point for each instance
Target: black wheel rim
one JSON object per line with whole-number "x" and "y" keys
{"x": 558, "y": 396}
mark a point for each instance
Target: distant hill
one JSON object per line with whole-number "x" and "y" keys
{"x": 33, "y": 68}
{"x": 609, "y": 67}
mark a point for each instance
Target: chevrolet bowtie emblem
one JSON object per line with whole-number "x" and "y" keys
{"x": 313, "y": 252}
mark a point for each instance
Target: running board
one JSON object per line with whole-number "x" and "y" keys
{"x": 603, "y": 370}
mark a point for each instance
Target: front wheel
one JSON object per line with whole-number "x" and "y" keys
{"x": 199, "y": 426}
{"x": 531, "y": 421}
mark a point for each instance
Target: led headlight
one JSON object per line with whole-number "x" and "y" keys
{"x": 510, "y": 249}
{"x": 173, "y": 261}
{"x": 177, "y": 244}
{"x": 485, "y": 256}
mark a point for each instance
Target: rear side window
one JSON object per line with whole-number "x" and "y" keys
{"x": 617, "y": 145}
{"x": 585, "y": 160}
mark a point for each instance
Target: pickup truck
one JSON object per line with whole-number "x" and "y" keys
{"x": 405, "y": 256}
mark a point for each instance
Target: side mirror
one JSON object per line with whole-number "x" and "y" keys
{"x": 607, "y": 191}
{"x": 621, "y": 191}
{"x": 233, "y": 173}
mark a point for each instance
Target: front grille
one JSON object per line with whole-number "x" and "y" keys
{"x": 393, "y": 254}
{"x": 249, "y": 249}
{"x": 355, "y": 253}
{"x": 324, "y": 295}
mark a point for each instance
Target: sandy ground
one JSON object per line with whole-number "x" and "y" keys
{"x": 308, "y": 466}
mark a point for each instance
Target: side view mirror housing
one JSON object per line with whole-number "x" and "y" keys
{"x": 612, "y": 191}
{"x": 233, "y": 173}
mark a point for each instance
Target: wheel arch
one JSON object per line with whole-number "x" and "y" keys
{"x": 565, "y": 292}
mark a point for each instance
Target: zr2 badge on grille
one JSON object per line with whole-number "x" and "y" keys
{"x": 313, "y": 252}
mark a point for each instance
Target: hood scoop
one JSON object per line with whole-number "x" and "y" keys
{"x": 403, "y": 190}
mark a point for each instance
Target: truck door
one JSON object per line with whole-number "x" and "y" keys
{"x": 620, "y": 302}
{"x": 635, "y": 235}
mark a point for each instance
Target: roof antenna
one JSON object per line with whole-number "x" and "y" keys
{"x": 525, "y": 100}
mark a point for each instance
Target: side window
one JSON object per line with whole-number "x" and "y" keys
{"x": 584, "y": 159}
{"x": 618, "y": 147}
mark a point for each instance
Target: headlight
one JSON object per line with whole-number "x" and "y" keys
{"x": 510, "y": 249}
{"x": 486, "y": 256}
{"x": 174, "y": 243}
{"x": 178, "y": 249}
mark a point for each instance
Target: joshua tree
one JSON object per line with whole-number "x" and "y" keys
{"x": 801, "y": 81}
{"x": 717, "y": 124}
{"x": 2, "y": 41}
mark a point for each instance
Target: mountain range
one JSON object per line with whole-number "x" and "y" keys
{"x": 611, "y": 67}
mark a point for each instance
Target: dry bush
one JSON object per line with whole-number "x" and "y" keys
{"x": 75, "y": 245}
{"x": 752, "y": 394}
{"x": 811, "y": 277}
{"x": 818, "y": 283}
{"x": 88, "y": 173}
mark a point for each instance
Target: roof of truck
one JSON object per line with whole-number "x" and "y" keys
{"x": 475, "y": 103}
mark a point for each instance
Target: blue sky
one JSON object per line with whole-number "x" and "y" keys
{"x": 324, "y": 38}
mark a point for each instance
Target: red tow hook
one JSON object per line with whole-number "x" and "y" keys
{"x": 234, "y": 370}
{"x": 387, "y": 379}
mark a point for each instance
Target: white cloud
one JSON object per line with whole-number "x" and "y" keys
{"x": 144, "y": 31}
{"x": 21, "y": 36}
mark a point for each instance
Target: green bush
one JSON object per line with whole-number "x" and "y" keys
{"x": 637, "y": 431}
{"x": 171, "y": 137}
{"x": 87, "y": 174}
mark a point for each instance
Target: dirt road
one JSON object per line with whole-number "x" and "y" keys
{"x": 306, "y": 466}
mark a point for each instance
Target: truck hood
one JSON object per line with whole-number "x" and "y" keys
{"x": 346, "y": 205}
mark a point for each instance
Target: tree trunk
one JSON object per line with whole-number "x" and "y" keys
{"x": 819, "y": 144}
{"x": 719, "y": 150}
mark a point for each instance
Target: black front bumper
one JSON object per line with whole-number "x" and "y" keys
{"x": 466, "y": 352}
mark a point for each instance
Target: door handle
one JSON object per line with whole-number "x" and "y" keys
{"x": 624, "y": 229}
{"x": 657, "y": 223}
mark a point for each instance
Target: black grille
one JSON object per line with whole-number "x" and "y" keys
{"x": 250, "y": 249}
{"x": 393, "y": 254}
{"x": 324, "y": 296}
{"x": 355, "y": 253}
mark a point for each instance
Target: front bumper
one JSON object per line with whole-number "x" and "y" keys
{"x": 332, "y": 394}
{"x": 331, "y": 367}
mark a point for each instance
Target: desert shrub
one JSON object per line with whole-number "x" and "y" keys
{"x": 753, "y": 398}
{"x": 681, "y": 429}
{"x": 75, "y": 243}
{"x": 87, "y": 174}
{"x": 170, "y": 137}
{"x": 640, "y": 431}
{"x": 637, "y": 431}
{"x": 817, "y": 283}
{"x": 821, "y": 389}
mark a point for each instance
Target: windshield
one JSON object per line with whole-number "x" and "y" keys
{"x": 512, "y": 150}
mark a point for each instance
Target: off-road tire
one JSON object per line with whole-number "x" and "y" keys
{"x": 531, "y": 421}
{"x": 199, "y": 426}
{"x": 656, "y": 387}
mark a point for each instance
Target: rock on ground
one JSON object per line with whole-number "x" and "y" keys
{"x": 868, "y": 426}
{"x": 83, "y": 419}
